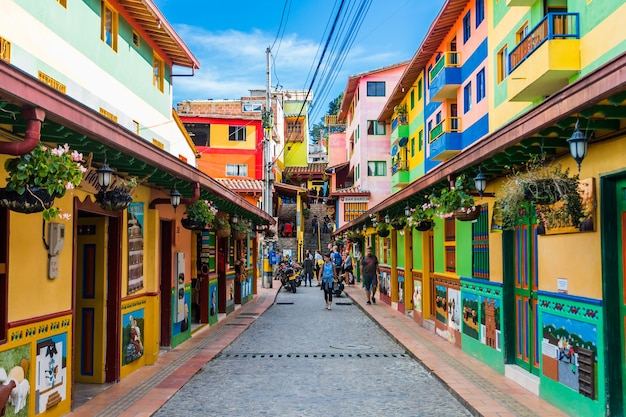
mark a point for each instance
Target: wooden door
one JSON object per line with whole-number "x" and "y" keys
{"x": 527, "y": 341}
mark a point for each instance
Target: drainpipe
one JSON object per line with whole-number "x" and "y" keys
{"x": 34, "y": 116}
{"x": 187, "y": 201}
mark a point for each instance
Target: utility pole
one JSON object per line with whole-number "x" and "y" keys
{"x": 267, "y": 121}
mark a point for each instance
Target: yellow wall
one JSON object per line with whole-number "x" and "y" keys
{"x": 219, "y": 138}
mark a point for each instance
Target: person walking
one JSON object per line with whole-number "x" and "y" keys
{"x": 308, "y": 270}
{"x": 328, "y": 279}
{"x": 370, "y": 271}
{"x": 337, "y": 259}
{"x": 314, "y": 224}
{"x": 347, "y": 268}
{"x": 319, "y": 261}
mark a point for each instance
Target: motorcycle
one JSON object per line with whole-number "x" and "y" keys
{"x": 339, "y": 285}
{"x": 289, "y": 276}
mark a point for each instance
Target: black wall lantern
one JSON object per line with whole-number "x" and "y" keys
{"x": 480, "y": 182}
{"x": 578, "y": 145}
{"x": 175, "y": 198}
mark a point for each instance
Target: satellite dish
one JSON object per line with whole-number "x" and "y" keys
{"x": 394, "y": 150}
{"x": 403, "y": 142}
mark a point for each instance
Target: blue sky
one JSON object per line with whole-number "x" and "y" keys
{"x": 229, "y": 38}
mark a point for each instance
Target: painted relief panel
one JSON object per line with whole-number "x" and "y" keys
{"x": 417, "y": 295}
{"x": 51, "y": 373}
{"x": 183, "y": 325}
{"x": 569, "y": 352}
{"x": 132, "y": 336}
{"x": 470, "y": 315}
{"x": 441, "y": 304}
{"x": 213, "y": 301}
{"x": 490, "y": 322}
{"x": 135, "y": 247}
{"x": 384, "y": 286}
{"x": 14, "y": 368}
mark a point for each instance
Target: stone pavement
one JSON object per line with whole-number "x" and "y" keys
{"x": 482, "y": 390}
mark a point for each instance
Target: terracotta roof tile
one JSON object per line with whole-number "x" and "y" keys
{"x": 241, "y": 185}
{"x": 316, "y": 168}
{"x": 349, "y": 191}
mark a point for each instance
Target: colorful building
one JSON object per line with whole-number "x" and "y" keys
{"x": 540, "y": 297}
{"x": 113, "y": 283}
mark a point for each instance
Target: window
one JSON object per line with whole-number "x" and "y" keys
{"x": 502, "y": 64}
{"x": 236, "y": 170}
{"x": 521, "y": 33}
{"x": 353, "y": 210}
{"x": 412, "y": 147}
{"x": 375, "y": 128}
{"x": 467, "y": 27}
{"x": 357, "y": 172}
{"x": 480, "y": 12}
{"x": 376, "y": 88}
{"x": 200, "y": 133}
{"x": 136, "y": 39}
{"x": 480, "y": 85}
{"x": 358, "y": 132}
{"x": 480, "y": 245}
{"x": 419, "y": 89}
{"x": 108, "y": 26}
{"x": 467, "y": 97}
{"x": 294, "y": 131}
{"x": 5, "y": 50}
{"x": 251, "y": 107}
{"x": 438, "y": 118}
{"x": 420, "y": 139}
{"x": 158, "y": 69}
{"x": 237, "y": 133}
{"x": 376, "y": 168}
{"x": 412, "y": 99}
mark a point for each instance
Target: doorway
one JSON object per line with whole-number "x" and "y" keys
{"x": 165, "y": 282}
{"x": 97, "y": 300}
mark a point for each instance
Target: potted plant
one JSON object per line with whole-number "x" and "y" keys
{"x": 399, "y": 223}
{"x": 550, "y": 188}
{"x": 383, "y": 229}
{"x": 403, "y": 112}
{"x": 35, "y": 179}
{"x": 200, "y": 215}
{"x": 118, "y": 197}
{"x": 240, "y": 230}
{"x": 306, "y": 213}
{"x": 456, "y": 201}
{"x": 221, "y": 224}
{"x": 421, "y": 217}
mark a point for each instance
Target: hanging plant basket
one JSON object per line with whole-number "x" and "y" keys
{"x": 34, "y": 200}
{"x": 467, "y": 214}
{"x": 545, "y": 191}
{"x": 190, "y": 224}
{"x": 383, "y": 233}
{"x": 240, "y": 235}
{"x": 424, "y": 225}
{"x": 114, "y": 200}
{"x": 223, "y": 232}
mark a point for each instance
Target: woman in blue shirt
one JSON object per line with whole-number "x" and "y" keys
{"x": 328, "y": 279}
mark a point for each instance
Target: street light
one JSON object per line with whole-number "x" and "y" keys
{"x": 104, "y": 175}
{"x": 480, "y": 182}
{"x": 578, "y": 145}
{"x": 387, "y": 218}
{"x": 407, "y": 211}
{"x": 175, "y": 198}
{"x": 234, "y": 219}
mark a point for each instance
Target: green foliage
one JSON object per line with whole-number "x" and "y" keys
{"x": 450, "y": 199}
{"x": 202, "y": 211}
{"x": 555, "y": 194}
{"x": 240, "y": 226}
{"x": 54, "y": 170}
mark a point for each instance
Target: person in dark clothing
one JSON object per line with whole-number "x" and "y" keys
{"x": 314, "y": 224}
{"x": 308, "y": 269}
{"x": 370, "y": 271}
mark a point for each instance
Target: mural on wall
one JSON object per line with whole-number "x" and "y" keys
{"x": 470, "y": 315}
{"x": 570, "y": 353}
{"x": 132, "y": 336}
{"x": 14, "y": 366}
{"x": 135, "y": 247}
{"x": 454, "y": 310}
{"x": 490, "y": 322}
{"x": 213, "y": 300}
{"x": 384, "y": 285}
{"x": 51, "y": 382}
{"x": 441, "y": 302}
{"x": 183, "y": 325}
{"x": 417, "y": 295}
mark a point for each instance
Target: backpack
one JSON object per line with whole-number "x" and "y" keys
{"x": 337, "y": 258}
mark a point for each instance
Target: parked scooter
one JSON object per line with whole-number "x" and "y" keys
{"x": 289, "y": 275}
{"x": 339, "y": 285}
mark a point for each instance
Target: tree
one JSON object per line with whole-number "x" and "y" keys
{"x": 318, "y": 130}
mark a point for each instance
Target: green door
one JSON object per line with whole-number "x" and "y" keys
{"x": 621, "y": 272}
{"x": 527, "y": 348}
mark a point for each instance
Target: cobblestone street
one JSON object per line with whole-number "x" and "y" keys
{"x": 299, "y": 359}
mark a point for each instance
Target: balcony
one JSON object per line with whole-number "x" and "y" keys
{"x": 545, "y": 59}
{"x": 399, "y": 130}
{"x": 400, "y": 176}
{"x": 445, "y": 77}
{"x": 445, "y": 139}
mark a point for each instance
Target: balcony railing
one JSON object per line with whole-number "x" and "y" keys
{"x": 399, "y": 166}
{"x": 552, "y": 26}
{"x": 447, "y": 125}
{"x": 447, "y": 59}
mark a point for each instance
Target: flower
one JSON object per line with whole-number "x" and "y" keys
{"x": 202, "y": 210}
{"x": 453, "y": 198}
{"x": 54, "y": 170}
{"x": 240, "y": 227}
{"x": 421, "y": 213}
